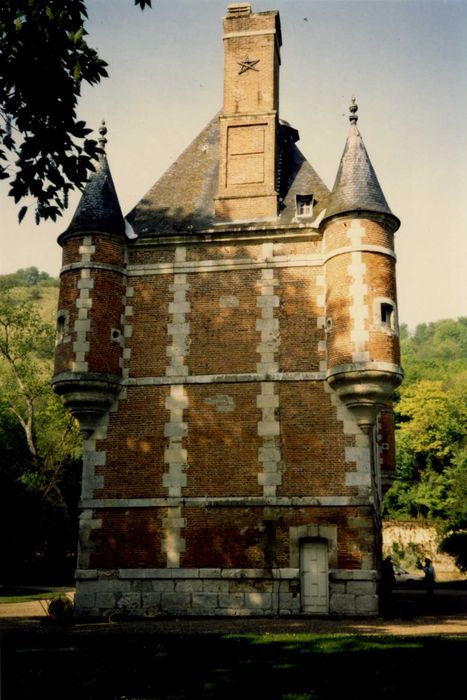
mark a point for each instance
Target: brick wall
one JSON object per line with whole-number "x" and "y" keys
{"x": 70, "y": 251}
{"x": 105, "y": 316}
{"x": 135, "y": 445}
{"x": 222, "y": 440}
{"x": 128, "y": 538}
{"x": 109, "y": 251}
{"x": 223, "y": 322}
{"x": 253, "y": 90}
{"x": 64, "y": 353}
{"x": 313, "y": 444}
{"x": 360, "y": 277}
{"x": 339, "y": 311}
{"x": 149, "y": 339}
{"x": 226, "y": 538}
{"x": 300, "y": 332}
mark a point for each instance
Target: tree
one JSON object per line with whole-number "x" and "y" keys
{"x": 431, "y": 430}
{"x": 44, "y": 59}
{"x": 39, "y": 441}
{"x": 28, "y": 277}
{"x": 431, "y": 426}
{"x": 26, "y": 347}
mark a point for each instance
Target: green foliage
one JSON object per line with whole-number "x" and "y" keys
{"x": 39, "y": 442}
{"x": 455, "y": 544}
{"x": 43, "y": 595}
{"x": 456, "y": 503}
{"x": 45, "y": 150}
{"x": 435, "y": 351}
{"x": 431, "y": 429}
{"x": 28, "y": 277}
{"x": 408, "y": 555}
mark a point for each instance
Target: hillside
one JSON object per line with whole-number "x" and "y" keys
{"x": 38, "y": 287}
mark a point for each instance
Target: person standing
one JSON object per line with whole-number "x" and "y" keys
{"x": 388, "y": 580}
{"x": 430, "y": 577}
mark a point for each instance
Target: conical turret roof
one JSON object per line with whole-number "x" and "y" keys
{"x": 99, "y": 208}
{"x": 356, "y": 187}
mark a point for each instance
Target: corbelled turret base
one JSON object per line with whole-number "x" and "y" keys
{"x": 364, "y": 391}
{"x": 87, "y": 396}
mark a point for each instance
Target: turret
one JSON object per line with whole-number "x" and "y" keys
{"x": 88, "y": 357}
{"x": 361, "y": 302}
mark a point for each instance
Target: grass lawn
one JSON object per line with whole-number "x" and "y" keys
{"x": 283, "y": 666}
{"x": 43, "y": 595}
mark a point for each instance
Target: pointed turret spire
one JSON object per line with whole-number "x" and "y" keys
{"x": 99, "y": 208}
{"x": 102, "y": 134}
{"x": 356, "y": 187}
{"x": 353, "y": 118}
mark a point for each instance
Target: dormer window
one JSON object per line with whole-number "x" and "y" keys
{"x": 304, "y": 204}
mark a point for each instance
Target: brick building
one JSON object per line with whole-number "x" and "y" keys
{"x": 230, "y": 349}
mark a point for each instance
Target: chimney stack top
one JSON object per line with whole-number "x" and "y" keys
{"x": 239, "y": 9}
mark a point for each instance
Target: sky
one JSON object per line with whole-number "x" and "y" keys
{"x": 404, "y": 60}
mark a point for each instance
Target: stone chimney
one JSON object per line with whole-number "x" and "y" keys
{"x": 249, "y": 118}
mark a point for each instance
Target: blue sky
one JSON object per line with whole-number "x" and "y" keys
{"x": 406, "y": 62}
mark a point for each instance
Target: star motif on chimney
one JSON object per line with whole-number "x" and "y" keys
{"x": 247, "y": 64}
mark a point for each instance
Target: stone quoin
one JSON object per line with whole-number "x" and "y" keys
{"x": 230, "y": 349}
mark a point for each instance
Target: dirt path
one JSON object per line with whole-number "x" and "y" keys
{"x": 31, "y": 618}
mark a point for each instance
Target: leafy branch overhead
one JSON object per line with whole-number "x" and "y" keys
{"x": 45, "y": 150}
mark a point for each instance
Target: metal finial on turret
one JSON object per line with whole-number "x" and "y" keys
{"x": 102, "y": 132}
{"x": 353, "y": 118}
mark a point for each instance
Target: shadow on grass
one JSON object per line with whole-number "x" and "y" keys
{"x": 283, "y": 666}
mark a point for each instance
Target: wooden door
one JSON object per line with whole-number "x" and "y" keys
{"x": 314, "y": 577}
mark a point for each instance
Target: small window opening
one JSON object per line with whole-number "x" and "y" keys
{"x": 387, "y": 316}
{"x": 61, "y": 327}
{"x": 304, "y": 204}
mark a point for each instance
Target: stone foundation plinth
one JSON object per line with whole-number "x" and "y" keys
{"x": 220, "y": 592}
{"x": 353, "y": 592}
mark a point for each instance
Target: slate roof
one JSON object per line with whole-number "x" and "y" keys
{"x": 98, "y": 208}
{"x": 356, "y": 187}
{"x": 183, "y": 198}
